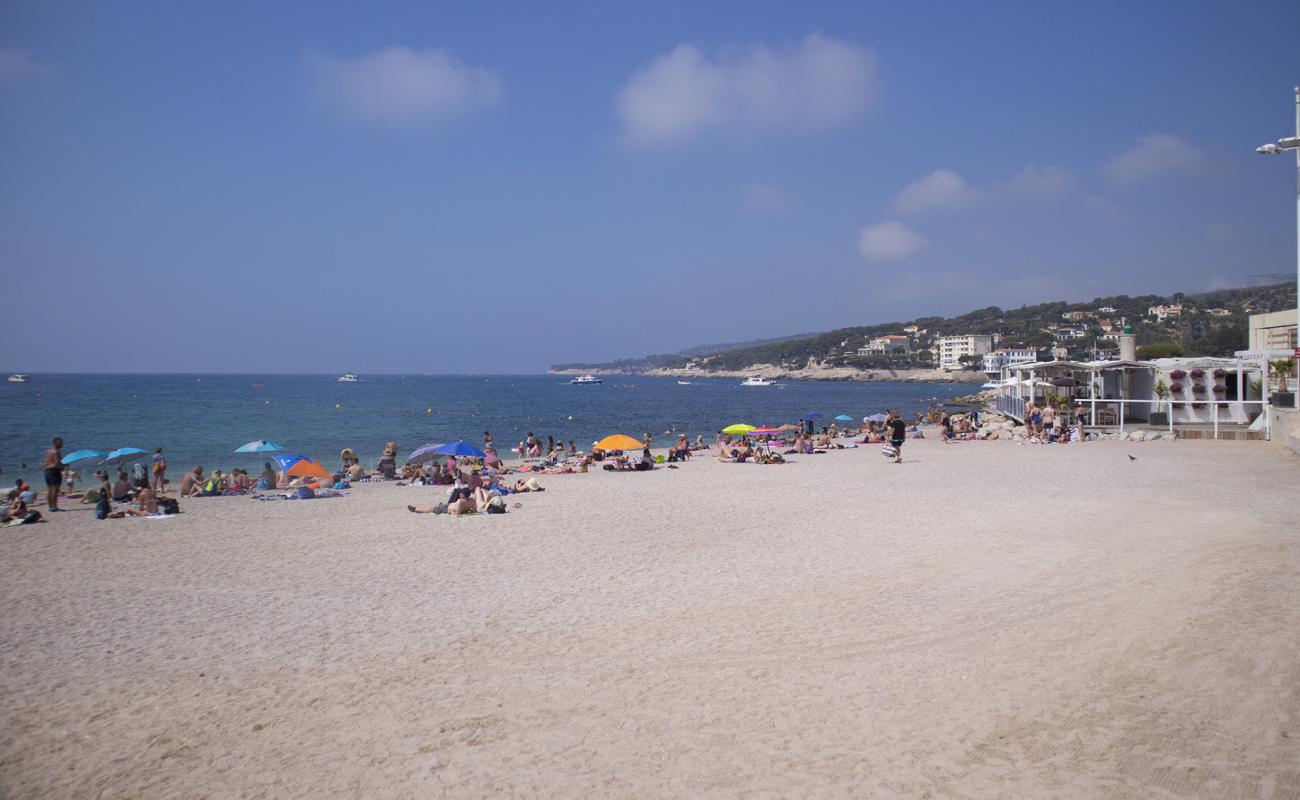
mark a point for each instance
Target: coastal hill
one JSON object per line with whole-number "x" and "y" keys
{"x": 1207, "y": 324}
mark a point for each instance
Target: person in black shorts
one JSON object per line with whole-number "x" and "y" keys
{"x": 897, "y": 435}
{"x": 54, "y": 473}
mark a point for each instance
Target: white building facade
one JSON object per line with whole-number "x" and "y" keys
{"x": 948, "y": 350}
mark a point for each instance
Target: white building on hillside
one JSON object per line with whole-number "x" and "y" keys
{"x": 1162, "y": 313}
{"x": 948, "y": 350}
{"x": 1007, "y": 357}
{"x": 889, "y": 343}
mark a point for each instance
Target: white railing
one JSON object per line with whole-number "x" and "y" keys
{"x": 1015, "y": 406}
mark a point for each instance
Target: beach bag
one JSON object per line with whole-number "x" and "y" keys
{"x": 139, "y": 477}
{"x": 102, "y": 508}
{"x": 888, "y": 451}
{"x": 305, "y": 493}
{"x": 169, "y": 505}
{"x": 262, "y": 484}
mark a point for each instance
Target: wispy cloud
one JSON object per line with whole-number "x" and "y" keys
{"x": 889, "y": 241}
{"x": 1153, "y": 156}
{"x": 403, "y": 84}
{"x": 766, "y": 198}
{"x": 17, "y": 66}
{"x": 941, "y": 189}
{"x": 820, "y": 81}
{"x": 1037, "y": 182}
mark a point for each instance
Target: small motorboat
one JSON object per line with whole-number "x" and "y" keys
{"x": 754, "y": 380}
{"x": 683, "y": 383}
{"x": 18, "y": 377}
{"x": 585, "y": 380}
{"x": 350, "y": 377}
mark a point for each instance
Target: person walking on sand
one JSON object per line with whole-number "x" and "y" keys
{"x": 1048, "y": 417}
{"x": 897, "y": 435}
{"x": 54, "y": 473}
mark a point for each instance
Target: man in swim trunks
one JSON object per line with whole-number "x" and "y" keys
{"x": 897, "y": 435}
{"x": 54, "y": 473}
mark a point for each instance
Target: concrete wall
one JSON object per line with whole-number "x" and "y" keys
{"x": 1286, "y": 428}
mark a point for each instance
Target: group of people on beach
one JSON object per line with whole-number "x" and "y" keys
{"x": 475, "y": 483}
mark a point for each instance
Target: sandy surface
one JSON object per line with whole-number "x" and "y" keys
{"x": 986, "y": 620}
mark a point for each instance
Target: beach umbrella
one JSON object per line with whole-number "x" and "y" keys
{"x": 875, "y": 418}
{"x": 423, "y": 453}
{"x": 123, "y": 455}
{"x": 259, "y": 446}
{"x": 764, "y": 431}
{"x": 738, "y": 428}
{"x": 82, "y": 455}
{"x": 812, "y": 415}
{"x": 459, "y": 448}
{"x": 619, "y": 441}
{"x": 303, "y": 466}
{"x": 789, "y": 427}
{"x": 844, "y": 418}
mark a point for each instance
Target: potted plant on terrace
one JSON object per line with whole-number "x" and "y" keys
{"x": 1282, "y": 368}
{"x": 1160, "y": 416}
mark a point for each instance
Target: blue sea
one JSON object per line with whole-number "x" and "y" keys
{"x": 201, "y": 419}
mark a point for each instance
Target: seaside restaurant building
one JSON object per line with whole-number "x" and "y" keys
{"x": 1197, "y": 391}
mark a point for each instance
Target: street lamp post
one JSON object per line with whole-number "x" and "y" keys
{"x": 1280, "y": 147}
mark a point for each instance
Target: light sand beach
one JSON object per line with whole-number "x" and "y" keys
{"x": 984, "y": 620}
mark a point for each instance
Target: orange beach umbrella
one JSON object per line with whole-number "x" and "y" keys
{"x": 619, "y": 441}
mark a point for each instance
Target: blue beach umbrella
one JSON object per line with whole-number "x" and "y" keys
{"x": 82, "y": 455}
{"x": 259, "y": 446}
{"x": 844, "y": 418}
{"x": 124, "y": 454}
{"x": 424, "y": 453}
{"x": 811, "y": 415}
{"x": 460, "y": 448}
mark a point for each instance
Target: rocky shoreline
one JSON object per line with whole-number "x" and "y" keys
{"x": 808, "y": 373}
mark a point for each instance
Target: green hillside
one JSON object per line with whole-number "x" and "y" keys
{"x": 1211, "y": 324}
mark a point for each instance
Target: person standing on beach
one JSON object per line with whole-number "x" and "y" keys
{"x": 897, "y": 435}
{"x": 54, "y": 473}
{"x": 158, "y": 466}
{"x": 1048, "y": 417}
{"x": 487, "y": 440}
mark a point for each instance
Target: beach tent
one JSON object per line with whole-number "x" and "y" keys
{"x": 294, "y": 464}
{"x": 123, "y": 455}
{"x": 618, "y": 441}
{"x": 259, "y": 446}
{"x": 82, "y": 455}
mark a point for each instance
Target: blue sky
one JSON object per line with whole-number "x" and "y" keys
{"x": 491, "y": 187}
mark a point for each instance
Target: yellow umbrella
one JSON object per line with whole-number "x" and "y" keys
{"x": 739, "y": 427}
{"x": 619, "y": 441}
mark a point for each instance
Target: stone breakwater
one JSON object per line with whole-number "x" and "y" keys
{"x": 996, "y": 426}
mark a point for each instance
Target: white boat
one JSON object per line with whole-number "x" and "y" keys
{"x": 683, "y": 383}
{"x": 18, "y": 377}
{"x": 350, "y": 377}
{"x": 583, "y": 380}
{"x": 754, "y": 380}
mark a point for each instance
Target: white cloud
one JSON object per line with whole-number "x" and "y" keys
{"x": 17, "y": 65}
{"x": 1042, "y": 182}
{"x": 1153, "y": 156}
{"x": 820, "y": 81}
{"x": 942, "y": 188}
{"x": 889, "y": 241}
{"x": 766, "y": 198}
{"x": 403, "y": 84}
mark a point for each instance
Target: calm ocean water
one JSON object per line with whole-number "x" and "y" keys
{"x": 202, "y": 419}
